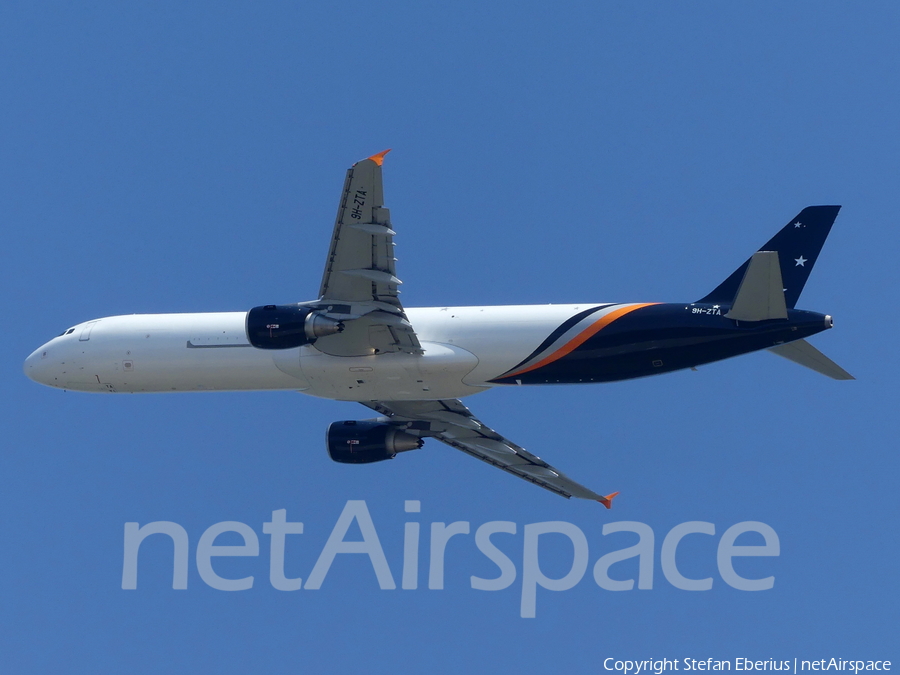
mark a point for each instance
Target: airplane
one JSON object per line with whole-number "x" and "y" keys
{"x": 357, "y": 342}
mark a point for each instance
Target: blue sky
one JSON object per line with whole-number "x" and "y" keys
{"x": 159, "y": 157}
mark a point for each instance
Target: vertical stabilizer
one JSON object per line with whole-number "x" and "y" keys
{"x": 798, "y": 245}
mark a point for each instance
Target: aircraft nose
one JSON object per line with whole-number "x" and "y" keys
{"x": 38, "y": 366}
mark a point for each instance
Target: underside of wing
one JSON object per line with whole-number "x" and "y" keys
{"x": 360, "y": 286}
{"x": 451, "y": 422}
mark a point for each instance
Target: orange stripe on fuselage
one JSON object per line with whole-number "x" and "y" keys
{"x": 582, "y": 337}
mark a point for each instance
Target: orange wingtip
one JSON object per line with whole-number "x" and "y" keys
{"x": 607, "y": 500}
{"x": 379, "y": 158}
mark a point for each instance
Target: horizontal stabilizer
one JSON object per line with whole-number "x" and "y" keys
{"x": 800, "y": 351}
{"x": 761, "y": 294}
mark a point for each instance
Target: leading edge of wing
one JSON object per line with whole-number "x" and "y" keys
{"x": 451, "y": 422}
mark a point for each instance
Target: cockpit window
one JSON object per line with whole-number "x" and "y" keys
{"x": 67, "y": 332}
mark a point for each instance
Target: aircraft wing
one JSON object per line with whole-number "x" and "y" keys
{"x": 360, "y": 286}
{"x": 448, "y": 420}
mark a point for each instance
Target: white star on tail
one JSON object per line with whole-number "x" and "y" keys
{"x": 800, "y": 261}
{"x": 798, "y": 224}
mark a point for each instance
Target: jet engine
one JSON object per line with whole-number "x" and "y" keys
{"x": 288, "y": 326}
{"x": 367, "y": 441}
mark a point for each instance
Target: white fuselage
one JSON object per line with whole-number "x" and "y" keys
{"x": 464, "y": 348}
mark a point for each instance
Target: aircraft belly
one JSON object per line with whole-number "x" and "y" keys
{"x": 172, "y": 367}
{"x": 499, "y": 336}
{"x": 663, "y": 348}
{"x": 177, "y": 352}
{"x": 436, "y": 374}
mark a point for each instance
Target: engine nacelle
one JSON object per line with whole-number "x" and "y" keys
{"x": 288, "y": 326}
{"x": 367, "y": 441}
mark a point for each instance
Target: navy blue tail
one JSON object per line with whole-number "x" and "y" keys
{"x": 798, "y": 245}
